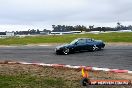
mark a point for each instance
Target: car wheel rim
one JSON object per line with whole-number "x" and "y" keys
{"x": 94, "y": 47}
{"x": 66, "y": 51}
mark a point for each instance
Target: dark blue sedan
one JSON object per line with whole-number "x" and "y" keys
{"x": 80, "y": 44}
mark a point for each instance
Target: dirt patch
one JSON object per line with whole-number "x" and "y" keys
{"x": 124, "y": 76}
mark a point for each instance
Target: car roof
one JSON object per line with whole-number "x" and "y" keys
{"x": 83, "y": 38}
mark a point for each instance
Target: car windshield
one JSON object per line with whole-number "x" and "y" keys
{"x": 74, "y": 41}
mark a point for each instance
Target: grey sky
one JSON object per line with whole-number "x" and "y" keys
{"x": 70, "y": 12}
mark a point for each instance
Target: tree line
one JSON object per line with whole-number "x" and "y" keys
{"x": 65, "y": 28}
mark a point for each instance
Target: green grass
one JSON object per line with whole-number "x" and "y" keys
{"x": 106, "y": 37}
{"x": 27, "y": 81}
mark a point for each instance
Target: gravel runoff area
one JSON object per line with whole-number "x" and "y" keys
{"x": 71, "y": 77}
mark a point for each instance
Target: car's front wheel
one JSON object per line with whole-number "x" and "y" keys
{"x": 99, "y": 48}
{"x": 66, "y": 51}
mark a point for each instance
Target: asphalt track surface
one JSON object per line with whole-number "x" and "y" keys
{"x": 112, "y": 56}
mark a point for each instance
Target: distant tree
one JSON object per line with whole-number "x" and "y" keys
{"x": 64, "y": 28}
{"x": 118, "y": 24}
{"x": 38, "y": 32}
{"x": 91, "y": 27}
{"x": 53, "y": 26}
{"x": 44, "y": 30}
{"x": 32, "y": 31}
{"x": 130, "y": 27}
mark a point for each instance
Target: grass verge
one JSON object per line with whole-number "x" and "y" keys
{"x": 106, "y": 37}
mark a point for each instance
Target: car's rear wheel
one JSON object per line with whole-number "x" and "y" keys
{"x": 99, "y": 48}
{"x": 93, "y": 48}
{"x": 66, "y": 51}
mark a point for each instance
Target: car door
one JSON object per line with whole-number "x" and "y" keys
{"x": 80, "y": 45}
{"x": 90, "y": 43}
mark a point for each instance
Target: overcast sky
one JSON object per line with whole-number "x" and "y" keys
{"x": 25, "y": 14}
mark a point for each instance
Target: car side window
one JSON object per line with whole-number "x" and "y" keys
{"x": 89, "y": 40}
{"x": 82, "y": 41}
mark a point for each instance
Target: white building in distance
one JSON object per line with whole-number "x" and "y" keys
{"x": 10, "y": 34}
